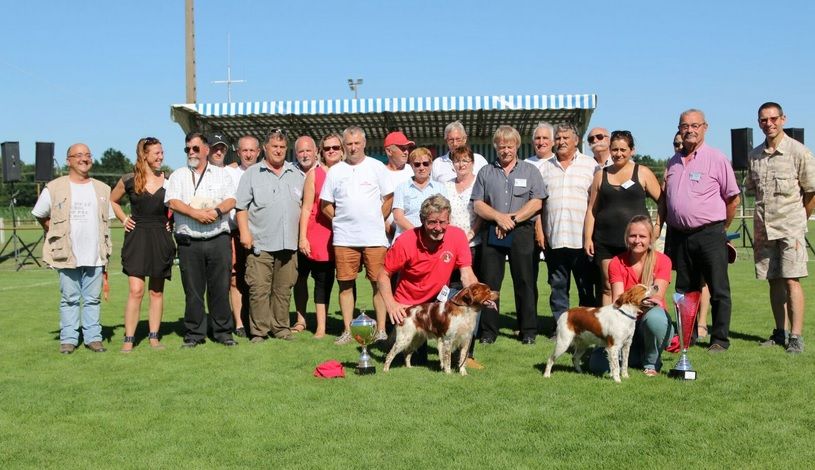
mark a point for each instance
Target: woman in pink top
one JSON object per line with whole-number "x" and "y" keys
{"x": 315, "y": 237}
{"x": 641, "y": 264}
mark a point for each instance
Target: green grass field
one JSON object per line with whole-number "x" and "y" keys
{"x": 260, "y": 406}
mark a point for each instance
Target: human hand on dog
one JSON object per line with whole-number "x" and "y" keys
{"x": 396, "y": 312}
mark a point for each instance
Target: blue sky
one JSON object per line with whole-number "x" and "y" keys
{"x": 106, "y": 73}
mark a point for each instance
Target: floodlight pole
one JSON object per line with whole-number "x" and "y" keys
{"x": 354, "y": 86}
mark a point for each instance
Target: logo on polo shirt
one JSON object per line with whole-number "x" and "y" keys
{"x": 446, "y": 256}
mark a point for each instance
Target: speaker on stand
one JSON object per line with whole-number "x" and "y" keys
{"x": 741, "y": 143}
{"x": 12, "y": 172}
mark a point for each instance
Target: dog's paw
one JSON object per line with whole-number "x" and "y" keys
{"x": 463, "y": 372}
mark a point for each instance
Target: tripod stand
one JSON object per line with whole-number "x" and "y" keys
{"x": 18, "y": 244}
{"x": 742, "y": 228}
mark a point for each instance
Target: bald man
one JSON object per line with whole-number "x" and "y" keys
{"x": 78, "y": 247}
{"x": 598, "y": 141}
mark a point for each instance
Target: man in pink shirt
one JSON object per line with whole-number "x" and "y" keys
{"x": 700, "y": 199}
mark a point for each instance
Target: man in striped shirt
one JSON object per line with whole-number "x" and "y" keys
{"x": 567, "y": 179}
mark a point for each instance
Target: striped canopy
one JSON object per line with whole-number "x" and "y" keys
{"x": 422, "y": 119}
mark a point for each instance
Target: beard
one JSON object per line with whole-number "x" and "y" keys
{"x": 193, "y": 162}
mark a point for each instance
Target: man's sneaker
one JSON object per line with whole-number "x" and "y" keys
{"x": 796, "y": 345}
{"x": 381, "y": 336}
{"x": 778, "y": 338}
{"x": 345, "y": 338}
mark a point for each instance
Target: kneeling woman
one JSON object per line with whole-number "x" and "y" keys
{"x": 641, "y": 264}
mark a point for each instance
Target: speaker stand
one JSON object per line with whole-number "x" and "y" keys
{"x": 17, "y": 243}
{"x": 742, "y": 228}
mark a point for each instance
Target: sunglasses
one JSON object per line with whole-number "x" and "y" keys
{"x": 598, "y": 137}
{"x": 677, "y": 144}
{"x": 419, "y": 164}
{"x": 194, "y": 148}
{"x": 335, "y": 148}
{"x": 404, "y": 148}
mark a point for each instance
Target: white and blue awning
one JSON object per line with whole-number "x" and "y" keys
{"x": 421, "y": 118}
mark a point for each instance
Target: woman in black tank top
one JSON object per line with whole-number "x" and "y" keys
{"x": 617, "y": 194}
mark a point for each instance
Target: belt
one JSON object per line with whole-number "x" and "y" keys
{"x": 693, "y": 230}
{"x": 206, "y": 239}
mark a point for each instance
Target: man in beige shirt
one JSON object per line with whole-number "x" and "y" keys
{"x": 782, "y": 172}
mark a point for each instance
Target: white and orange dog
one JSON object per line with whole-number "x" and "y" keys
{"x": 451, "y": 322}
{"x": 610, "y": 326}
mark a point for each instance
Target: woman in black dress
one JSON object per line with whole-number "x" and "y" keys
{"x": 148, "y": 249}
{"x": 617, "y": 194}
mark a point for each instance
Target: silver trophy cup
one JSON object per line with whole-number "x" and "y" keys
{"x": 363, "y": 330}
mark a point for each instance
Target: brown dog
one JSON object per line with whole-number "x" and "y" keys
{"x": 451, "y": 322}
{"x": 610, "y": 326}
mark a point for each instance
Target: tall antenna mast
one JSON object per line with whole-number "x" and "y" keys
{"x": 189, "y": 28}
{"x": 229, "y": 80}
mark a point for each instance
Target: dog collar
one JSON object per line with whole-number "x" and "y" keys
{"x": 623, "y": 312}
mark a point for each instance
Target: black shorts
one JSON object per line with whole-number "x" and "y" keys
{"x": 323, "y": 274}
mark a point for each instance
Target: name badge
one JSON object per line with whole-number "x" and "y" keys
{"x": 520, "y": 182}
{"x": 445, "y": 292}
{"x": 627, "y": 184}
{"x": 695, "y": 176}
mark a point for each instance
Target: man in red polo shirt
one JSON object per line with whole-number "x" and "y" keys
{"x": 423, "y": 259}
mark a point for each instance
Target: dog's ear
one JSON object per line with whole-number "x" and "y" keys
{"x": 462, "y": 296}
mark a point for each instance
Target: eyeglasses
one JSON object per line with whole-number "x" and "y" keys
{"x": 81, "y": 155}
{"x": 598, "y": 137}
{"x": 277, "y": 131}
{"x": 335, "y": 148}
{"x": 462, "y": 161}
{"x": 194, "y": 148}
{"x": 772, "y": 119}
{"x": 419, "y": 164}
{"x": 695, "y": 126}
{"x": 456, "y": 140}
{"x": 403, "y": 148}
{"x": 150, "y": 141}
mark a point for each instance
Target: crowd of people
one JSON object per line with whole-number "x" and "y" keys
{"x": 248, "y": 235}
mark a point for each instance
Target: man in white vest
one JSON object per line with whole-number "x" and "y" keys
{"x": 74, "y": 211}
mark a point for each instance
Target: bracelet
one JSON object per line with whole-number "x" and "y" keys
{"x": 218, "y": 211}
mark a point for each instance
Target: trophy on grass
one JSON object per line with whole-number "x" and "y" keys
{"x": 363, "y": 330}
{"x": 687, "y": 305}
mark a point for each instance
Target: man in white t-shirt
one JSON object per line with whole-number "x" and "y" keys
{"x": 397, "y": 147}
{"x": 74, "y": 211}
{"x": 455, "y": 136}
{"x": 248, "y": 152}
{"x": 357, "y": 196}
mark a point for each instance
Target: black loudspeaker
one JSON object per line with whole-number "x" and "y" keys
{"x": 741, "y": 141}
{"x": 44, "y": 170}
{"x": 796, "y": 133}
{"x": 11, "y": 162}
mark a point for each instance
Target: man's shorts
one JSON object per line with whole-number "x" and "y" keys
{"x": 785, "y": 258}
{"x": 348, "y": 259}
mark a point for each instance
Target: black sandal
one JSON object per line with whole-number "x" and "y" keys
{"x": 128, "y": 340}
{"x": 153, "y": 335}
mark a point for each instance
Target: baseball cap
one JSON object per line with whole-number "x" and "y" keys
{"x": 217, "y": 138}
{"x": 397, "y": 138}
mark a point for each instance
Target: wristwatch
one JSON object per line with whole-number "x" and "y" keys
{"x": 218, "y": 211}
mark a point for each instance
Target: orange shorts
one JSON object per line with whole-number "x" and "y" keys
{"x": 349, "y": 259}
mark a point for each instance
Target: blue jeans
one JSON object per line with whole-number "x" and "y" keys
{"x": 75, "y": 284}
{"x": 562, "y": 264}
{"x": 652, "y": 334}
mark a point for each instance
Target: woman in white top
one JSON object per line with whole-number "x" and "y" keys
{"x": 459, "y": 190}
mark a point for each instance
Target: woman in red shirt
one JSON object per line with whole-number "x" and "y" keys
{"x": 642, "y": 264}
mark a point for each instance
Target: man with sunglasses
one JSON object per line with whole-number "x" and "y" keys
{"x": 699, "y": 200}
{"x": 598, "y": 141}
{"x": 397, "y": 147}
{"x": 455, "y": 136}
{"x": 201, "y": 196}
{"x": 74, "y": 210}
{"x": 357, "y": 197}
{"x": 782, "y": 173}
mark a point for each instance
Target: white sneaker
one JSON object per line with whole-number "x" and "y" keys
{"x": 344, "y": 338}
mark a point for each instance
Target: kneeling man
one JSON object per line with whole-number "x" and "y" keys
{"x": 423, "y": 259}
